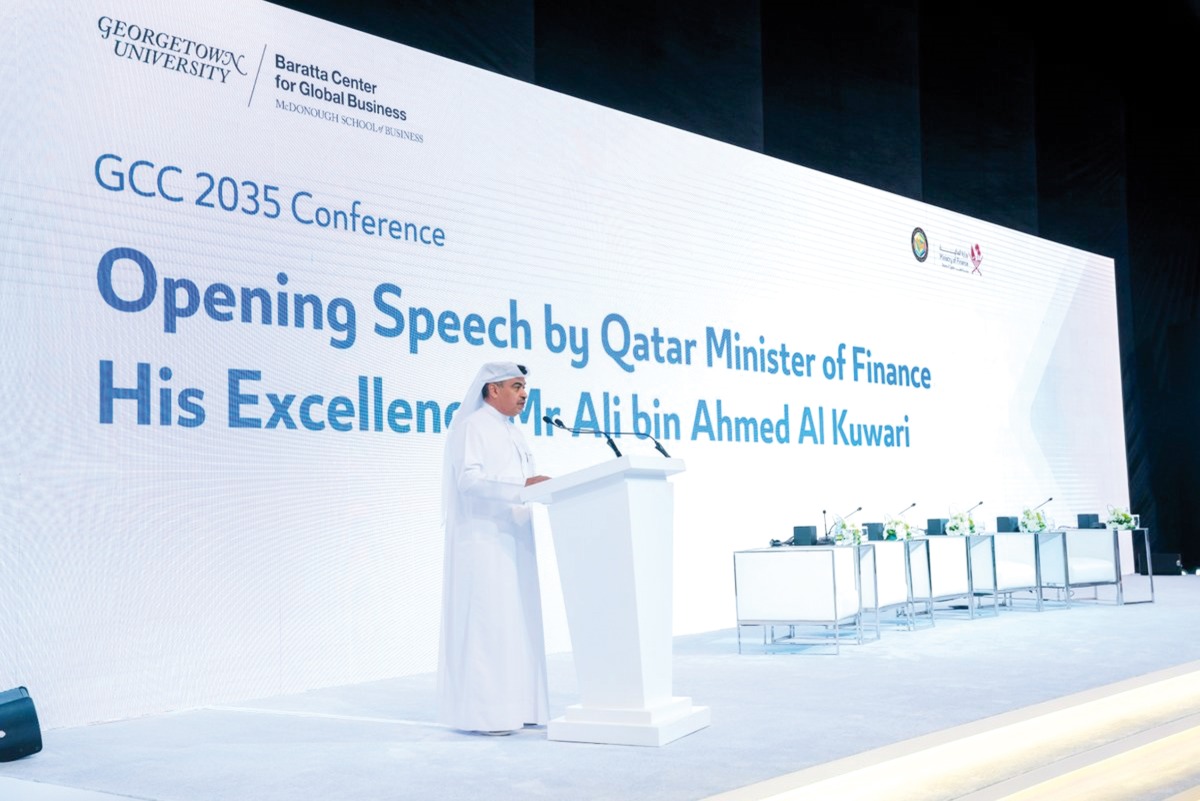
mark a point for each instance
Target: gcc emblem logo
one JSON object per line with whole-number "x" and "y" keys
{"x": 920, "y": 244}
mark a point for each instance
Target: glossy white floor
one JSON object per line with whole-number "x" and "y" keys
{"x": 1135, "y": 739}
{"x": 995, "y": 707}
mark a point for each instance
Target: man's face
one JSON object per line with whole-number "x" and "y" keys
{"x": 508, "y": 396}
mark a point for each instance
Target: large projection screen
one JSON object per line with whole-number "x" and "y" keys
{"x": 251, "y": 261}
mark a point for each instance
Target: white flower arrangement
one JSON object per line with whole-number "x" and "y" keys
{"x": 896, "y": 529}
{"x": 961, "y": 524}
{"x": 1121, "y": 519}
{"x": 844, "y": 533}
{"x": 1032, "y": 520}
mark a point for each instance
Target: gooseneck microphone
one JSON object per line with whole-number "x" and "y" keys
{"x": 973, "y": 508}
{"x": 837, "y": 520}
{"x": 905, "y": 509}
{"x": 1043, "y": 503}
{"x": 608, "y": 435}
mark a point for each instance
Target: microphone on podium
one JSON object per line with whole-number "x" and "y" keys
{"x": 1043, "y": 503}
{"x": 973, "y": 508}
{"x": 905, "y": 509}
{"x": 608, "y": 435}
{"x": 825, "y": 522}
{"x": 859, "y": 509}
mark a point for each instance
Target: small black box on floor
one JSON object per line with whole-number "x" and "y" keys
{"x": 804, "y": 535}
{"x": 1007, "y": 525}
{"x": 20, "y": 734}
{"x": 874, "y": 530}
{"x": 1090, "y": 521}
{"x": 1164, "y": 564}
{"x": 937, "y": 525}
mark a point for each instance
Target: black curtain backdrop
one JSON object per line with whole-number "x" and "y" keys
{"x": 1070, "y": 121}
{"x": 841, "y": 90}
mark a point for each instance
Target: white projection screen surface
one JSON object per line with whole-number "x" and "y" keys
{"x": 251, "y": 261}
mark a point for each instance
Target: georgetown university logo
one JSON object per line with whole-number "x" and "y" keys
{"x": 170, "y": 51}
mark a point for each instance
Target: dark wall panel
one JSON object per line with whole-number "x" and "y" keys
{"x": 840, "y": 90}
{"x": 695, "y": 66}
{"x": 1174, "y": 439}
{"x": 1165, "y": 312}
{"x": 495, "y": 35}
{"x": 1081, "y": 167}
{"x": 1159, "y": 65}
{"x": 977, "y": 112}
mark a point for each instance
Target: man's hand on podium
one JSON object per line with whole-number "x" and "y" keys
{"x": 529, "y": 482}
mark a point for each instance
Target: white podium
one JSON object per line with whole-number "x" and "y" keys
{"x": 612, "y": 526}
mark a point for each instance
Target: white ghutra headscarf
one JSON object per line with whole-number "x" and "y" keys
{"x": 490, "y": 373}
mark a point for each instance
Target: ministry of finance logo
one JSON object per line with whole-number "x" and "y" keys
{"x": 170, "y": 51}
{"x": 976, "y": 257}
{"x": 920, "y": 244}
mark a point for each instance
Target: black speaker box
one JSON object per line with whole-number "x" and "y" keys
{"x": 1166, "y": 564}
{"x": 20, "y": 734}
{"x": 804, "y": 535}
{"x": 937, "y": 525}
{"x": 1007, "y": 525}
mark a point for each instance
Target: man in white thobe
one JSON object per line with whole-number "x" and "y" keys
{"x": 492, "y": 663}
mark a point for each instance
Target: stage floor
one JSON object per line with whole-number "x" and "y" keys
{"x": 772, "y": 714}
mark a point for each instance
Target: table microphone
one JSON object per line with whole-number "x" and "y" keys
{"x": 1043, "y": 503}
{"x": 973, "y": 508}
{"x": 841, "y": 519}
{"x": 905, "y": 509}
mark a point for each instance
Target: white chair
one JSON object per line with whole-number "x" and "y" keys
{"x": 797, "y": 587}
{"x": 1091, "y": 557}
{"x": 1019, "y": 564}
{"x": 920, "y": 577}
{"x": 889, "y": 585}
{"x": 963, "y": 567}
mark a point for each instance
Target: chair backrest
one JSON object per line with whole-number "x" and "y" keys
{"x": 795, "y": 584}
